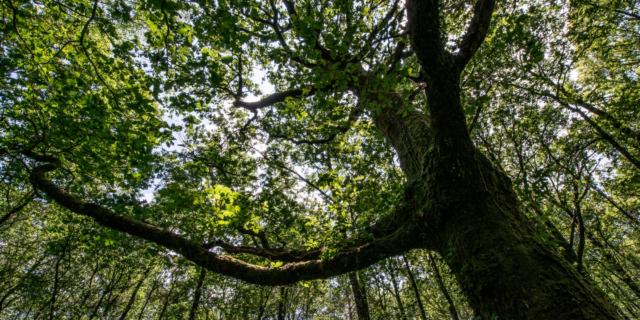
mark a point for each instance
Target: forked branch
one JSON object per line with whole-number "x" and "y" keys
{"x": 475, "y": 33}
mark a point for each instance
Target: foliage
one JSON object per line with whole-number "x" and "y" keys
{"x": 152, "y": 110}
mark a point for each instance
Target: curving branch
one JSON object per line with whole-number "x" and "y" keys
{"x": 264, "y": 242}
{"x": 274, "y": 254}
{"x": 273, "y": 98}
{"x": 475, "y": 33}
{"x": 348, "y": 259}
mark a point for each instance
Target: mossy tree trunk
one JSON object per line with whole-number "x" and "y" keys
{"x": 471, "y": 214}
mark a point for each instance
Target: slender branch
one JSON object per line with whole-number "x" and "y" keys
{"x": 260, "y": 234}
{"x": 615, "y": 122}
{"x": 378, "y": 28}
{"x": 628, "y": 14}
{"x": 197, "y": 294}
{"x": 414, "y": 286}
{"x": 599, "y": 130}
{"x": 634, "y": 220}
{"x": 83, "y": 33}
{"x": 275, "y": 26}
{"x": 443, "y": 288}
{"x": 476, "y": 32}
{"x": 85, "y": 28}
{"x": 606, "y": 136}
{"x": 353, "y": 116}
{"x": 25, "y": 201}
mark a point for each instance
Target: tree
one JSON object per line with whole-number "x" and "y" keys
{"x": 365, "y": 151}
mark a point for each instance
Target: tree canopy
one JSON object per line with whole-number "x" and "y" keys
{"x": 440, "y": 159}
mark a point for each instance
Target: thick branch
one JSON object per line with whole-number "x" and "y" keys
{"x": 447, "y": 120}
{"x": 264, "y": 242}
{"x": 476, "y": 32}
{"x": 426, "y": 33}
{"x": 349, "y": 259}
{"x": 268, "y": 253}
{"x": 273, "y": 98}
{"x": 404, "y": 127}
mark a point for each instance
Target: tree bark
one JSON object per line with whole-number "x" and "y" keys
{"x": 474, "y": 220}
{"x": 359, "y": 297}
{"x": 502, "y": 267}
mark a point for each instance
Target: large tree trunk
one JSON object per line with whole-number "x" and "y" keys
{"x": 476, "y": 225}
{"x": 502, "y": 268}
{"x": 391, "y": 270}
{"x": 471, "y": 214}
{"x": 471, "y": 217}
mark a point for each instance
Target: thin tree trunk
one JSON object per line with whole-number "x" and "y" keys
{"x": 359, "y": 297}
{"x": 381, "y": 305}
{"x": 134, "y": 295}
{"x": 54, "y": 291}
{"x": 616, "y": 267}
{"x": 349, "y": 309}
{"x": 154, "y": 286}
{"x": 396, "y": 290}
{"x": 282, "y": 303}
{"x": 263, "y": 303}
{"x": 443, "y": 288}
{"x": 114, "y": 296}
{"x": 416, "y": 290}
{"x": 167, "y": 300}
{"x": 618, "y": 292}
{"x": 97, "y": 307}
{"x": 112, "y": 282}
{"x": 197, "y": 293}
{"x": 87, "y": 288}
